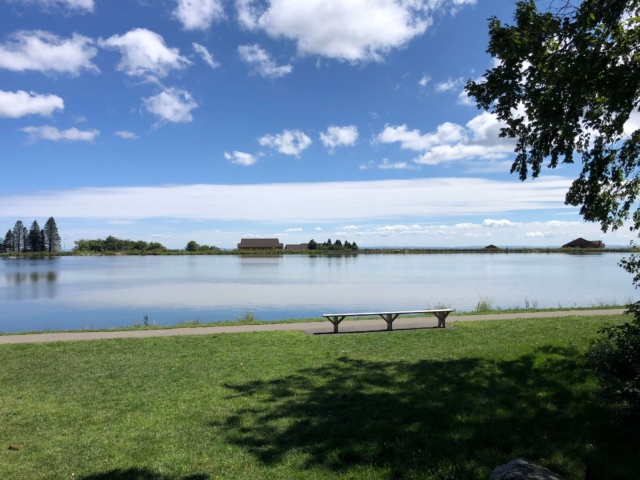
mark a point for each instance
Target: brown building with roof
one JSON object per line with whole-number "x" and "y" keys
{"x": 582, "y": 243}
{"x": 260, "y": 244}
{"x": 297, "y": 247}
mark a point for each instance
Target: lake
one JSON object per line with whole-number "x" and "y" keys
{"x": 104, "y": 292}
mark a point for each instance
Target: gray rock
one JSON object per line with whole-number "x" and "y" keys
{"x": 523, "y": 469}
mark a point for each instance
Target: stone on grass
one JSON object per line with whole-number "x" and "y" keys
{"x": 523, "y": 469}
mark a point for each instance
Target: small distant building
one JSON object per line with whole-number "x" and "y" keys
{"x": 582, "y": 243}
{"x": 491, "y": 247}
{"x": 297, "y": 247}
{"x": 260, "y": 244}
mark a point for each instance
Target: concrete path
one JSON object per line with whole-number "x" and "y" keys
{"x": 310, "y": 328}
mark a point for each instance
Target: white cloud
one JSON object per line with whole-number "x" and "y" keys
{"x": 82, "y": 6}
{"x": 241, "y": 158}
{"x": 45, "y": 52}
{"x": 144, "y": 54}
{"x": 206, "y": 56}
{"x": 261, "y": 61}
{"x": 478, "y": 139}
{"x": 289, "y": 142}
{"x": 499, "y": 223}
{"x": 386, "y": 165}
{"x": 339, "y": 137}
{"x": 355, "y": 30}
{"x": 465, "y": 99}
{"x": 448, "y": 85}
{"x": 318, "y": 229}
{"x": 424, "y": 80}
{"x": 52, "y": 133}
{"x": 171, "y": 105}
{"x": 333, "y": 201}
{"x": 350, "y": 227}
{"x": 539, "y": 234}
{"x": 198, "y": 14}
{"x": 21, "y": 103}
{"x": 126, "y": 134}
{"x": 633, "y": 123}
{"x": 293, "y": 230}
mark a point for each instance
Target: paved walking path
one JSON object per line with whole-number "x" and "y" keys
{"x": 310, "y": 328}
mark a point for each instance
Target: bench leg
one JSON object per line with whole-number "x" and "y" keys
{"x": 336, "y": 321}
{"x": 442, "y": 317}
{"x": 389, "y": 319}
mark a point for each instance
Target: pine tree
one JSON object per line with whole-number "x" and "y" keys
{"x": 34, "y": 237}
{"x": 8, "y": 241}
{"x": 18, "y": 238}
{"x": 42, "y": 242}
{"x": 25, "y": 239}
{"x": 52, "y": 238}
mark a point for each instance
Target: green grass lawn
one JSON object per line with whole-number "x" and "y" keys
{"x": 427, "y": 404}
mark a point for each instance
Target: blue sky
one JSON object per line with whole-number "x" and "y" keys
{"x": 219, "y": 119}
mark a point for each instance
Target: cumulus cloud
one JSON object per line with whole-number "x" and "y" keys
{"x": 289, "y": 142}
{"x": 424, "y": 80}
{"x": 293, "y": 230}
{"x": 633, "y": 123}
{"x": 448, "y": 85}
{"x": 539, "y": 234}
{"x": 350, "y": 227}
{"x": 339, "y": 202}
{"x": 206, "y": 56}
{"x": 52, "y": 133}
{"x": 354, "y": 31}
{"x": 171, "y": 105}
{"x": 198, "y": 14}
{"x": 48, "y": 53}
{"x": 262, "y": 63}
{"x": 81, "y": 6}
{"x": 478, "y": 139}
{"x": 387, "y": 165}
{"x": 339, "y": 137}
{"x": 241, "y": 158}
{"x": 126, "y": 134}
{"x": 144, "y": 54}
{"x": 21, "y": 103}
{"x": 499, "y": 223}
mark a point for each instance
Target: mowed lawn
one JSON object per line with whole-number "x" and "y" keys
{"x": 423, "y": 404}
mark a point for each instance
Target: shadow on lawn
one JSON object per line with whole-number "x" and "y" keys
{"x": 436, "y": 419}
{"x": 139, "y": 474}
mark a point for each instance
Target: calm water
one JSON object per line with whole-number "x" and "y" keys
{"x": 102, "y": 292}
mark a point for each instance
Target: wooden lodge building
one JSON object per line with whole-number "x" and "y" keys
{"x": 582, "y": 243}
{"x": 260, "y": 244}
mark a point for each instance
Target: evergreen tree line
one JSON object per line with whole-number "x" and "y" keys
{"x": 35, "y": 239}
{"x": 113, "y": 244}
{"x": 337, "y": 245}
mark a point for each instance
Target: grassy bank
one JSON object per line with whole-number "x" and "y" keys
{"x": 249, "y": 319}
{"x": 428, "y": 404}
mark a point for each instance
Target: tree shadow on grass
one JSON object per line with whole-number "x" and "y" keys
{"x": 139, "y": 474}
{"x": 435, "y": 419}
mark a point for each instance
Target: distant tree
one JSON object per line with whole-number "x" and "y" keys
{"x": 51, "y": 235}
{"x": 192, "y": 246}
{"x": 347, "y": 244}
{"x": 18, "y": 237}
{"x": 327, "y": 243}
{"x": 8, "y": 241}
{"x": 354, "y": 246}
{"x": 35, "y": 237}
{"x": 43, "y": 241}
{"x": 312, "y": 245}
{"x": 338, "y": 244}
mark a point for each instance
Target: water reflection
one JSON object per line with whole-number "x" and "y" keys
{"x": 32, "y": 285}
{"x": 33, "y": 277}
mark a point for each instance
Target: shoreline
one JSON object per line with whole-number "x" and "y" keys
{"x": 310, "y": 253}
{"x": 195, "y": 324}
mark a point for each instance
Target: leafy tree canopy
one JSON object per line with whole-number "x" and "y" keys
{"x": 567, "y": 81}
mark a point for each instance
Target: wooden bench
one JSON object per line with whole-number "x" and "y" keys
{"x": 388, "y": 317}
